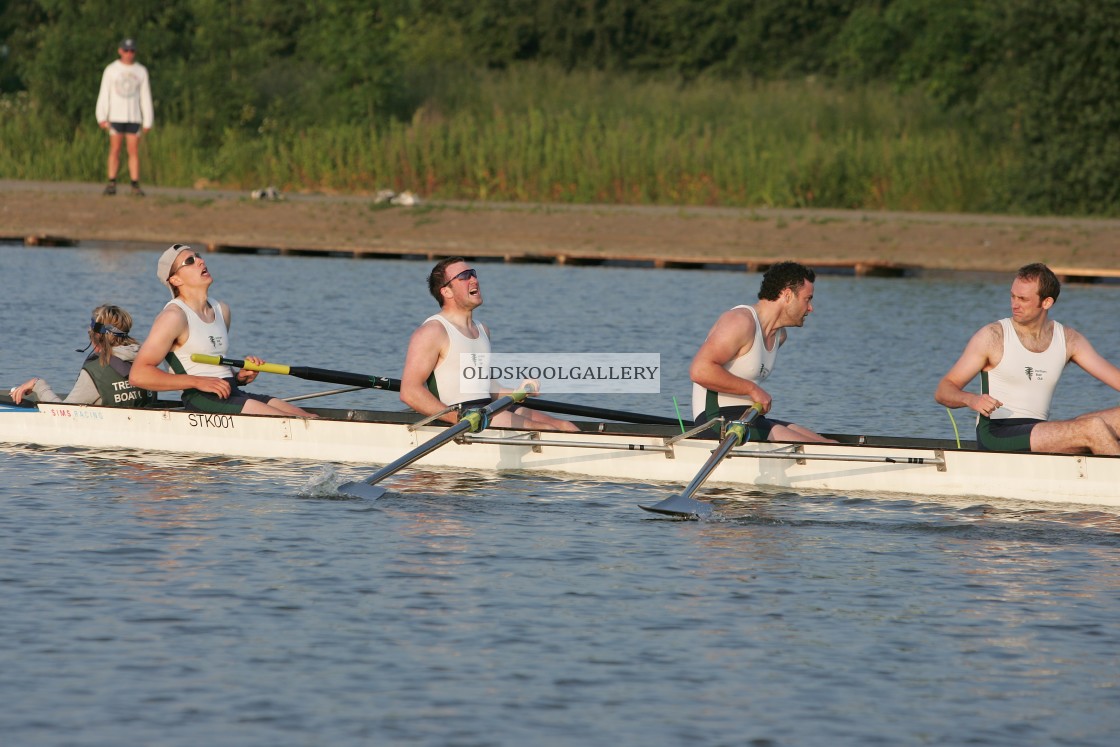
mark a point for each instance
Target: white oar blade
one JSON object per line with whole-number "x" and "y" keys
{"x": 680, "y": 507}
{"x": 361, "y": 490}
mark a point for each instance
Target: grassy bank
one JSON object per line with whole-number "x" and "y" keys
{"x": 535, "y": 134}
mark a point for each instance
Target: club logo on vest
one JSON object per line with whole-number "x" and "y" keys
{"x": 1034, "y": 374}
{"x": 215, "y": 341}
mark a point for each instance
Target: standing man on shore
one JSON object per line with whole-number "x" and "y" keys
{"x": 124, "y": 110}
{"x": 430, "y": 382}
{"x": 739, "y": 354}
{"x": 1020, "y": 360}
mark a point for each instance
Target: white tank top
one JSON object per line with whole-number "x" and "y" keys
{"x": 208, "y": 339}
{"x": 1025, "y": 381}
{"x": 444, "y": 381}
{"x": 755, "y": 366}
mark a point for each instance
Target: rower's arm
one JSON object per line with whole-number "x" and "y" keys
{"x": 1093, "y": 363}
{"x": 976, "y": 356}
{"x": 244, "y": 375}
{"x": 731, "y": 337}
{"x": 424, "y": 349}
{"x": 146, "y": 374}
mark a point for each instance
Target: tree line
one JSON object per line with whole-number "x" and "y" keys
{"x": 1043, "y": 77}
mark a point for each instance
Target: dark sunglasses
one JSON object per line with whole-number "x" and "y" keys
{"x": 465, "y": 274}
{"x": 105, "y": 329}
{"x": 186, "y": 263}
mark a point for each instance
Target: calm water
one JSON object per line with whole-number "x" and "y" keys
{"x": 168, "y": 600}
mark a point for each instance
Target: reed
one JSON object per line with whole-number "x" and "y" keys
{"x": 537, "y": 134}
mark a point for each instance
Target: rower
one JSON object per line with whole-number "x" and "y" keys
{"x": 192, "y": 323}
{"x": 1019, "y": 360}
{"x": 103, "y": 379}
{"x": 740, "y": 350}
{"x": 430, "y": 383}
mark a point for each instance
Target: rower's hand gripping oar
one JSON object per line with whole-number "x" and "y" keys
{"x": 684, "y": 506}
{"x": 304, "y": 372}
{"x": 473, "y": 420}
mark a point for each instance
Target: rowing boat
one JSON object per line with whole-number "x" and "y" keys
{"x": 613, "y": 451}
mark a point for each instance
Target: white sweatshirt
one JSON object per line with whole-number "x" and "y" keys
{"x": 125, "y": 95}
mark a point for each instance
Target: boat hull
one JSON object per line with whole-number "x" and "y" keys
{"x": 612, "y": 452}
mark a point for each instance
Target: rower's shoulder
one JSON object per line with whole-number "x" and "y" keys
{"x": 172, "y": 312}
{"x": 431, "y": 329}
{"x": 738, "y": 316}
{"x": 1072, "y": 337}
{"x": 990, "y": 333}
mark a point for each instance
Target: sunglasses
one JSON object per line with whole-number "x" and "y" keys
{"x": 102, "y": 329}
{"x": 464, "y": 275}
{"x": 186, "y": 263}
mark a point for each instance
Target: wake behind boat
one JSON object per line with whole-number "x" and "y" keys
{"x": 613, "y": 451}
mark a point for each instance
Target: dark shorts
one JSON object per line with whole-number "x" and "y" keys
{"x": 1008, "y": 434}
{"x": 124, "y": 128}
{"x": 196, "y": 401}
{"x": 759, "y": 429}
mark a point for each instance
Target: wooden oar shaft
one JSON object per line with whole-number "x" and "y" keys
{"x": 326, "y": 375}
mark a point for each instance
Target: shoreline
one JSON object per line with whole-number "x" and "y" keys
{"x": 867, "y": 242}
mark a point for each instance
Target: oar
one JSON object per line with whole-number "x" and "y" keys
{"x": 327, "y": 393}
{"x": 598, "y": 413}
{"x": 394, "y": 385}
{"x": 684, "y": 506}
{"x": 303, "y": 372}
{"x": 473, "y": 420}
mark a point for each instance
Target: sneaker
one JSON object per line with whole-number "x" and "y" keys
{"x": 136, "y": 191}
{"x": 110, "y": 189}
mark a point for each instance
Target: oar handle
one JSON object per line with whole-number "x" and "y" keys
{"x": 302, "y": 372}
{"x": 215, "y": 360}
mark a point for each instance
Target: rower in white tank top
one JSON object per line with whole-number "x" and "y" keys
{"x": 1024, "y": 381}
{"x": 208, "y": 338}
{"x": 444, "y": 381}
{"x": 756, "y": 366}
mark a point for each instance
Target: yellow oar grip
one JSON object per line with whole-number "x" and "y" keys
{"x": 274, "y": 368}
{"x": 213, "y": 360}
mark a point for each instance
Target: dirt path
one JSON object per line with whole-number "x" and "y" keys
{"x": 354, "y": 223}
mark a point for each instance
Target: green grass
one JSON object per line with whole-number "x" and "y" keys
{"x": 537, "y": 135}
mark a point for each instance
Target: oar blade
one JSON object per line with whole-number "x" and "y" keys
{"x": 680, "y": 507}
{"x": 361, "y": 489}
